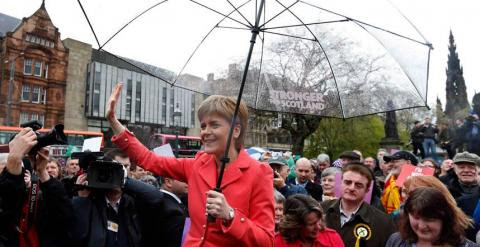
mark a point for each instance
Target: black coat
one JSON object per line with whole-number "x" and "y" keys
{"x": 468, "y": 204}
{"x": 55, "y": 214}
{"x": 90, "y": 228}
{"x": 167, "y": 223}
{"x": 313, "y": 189}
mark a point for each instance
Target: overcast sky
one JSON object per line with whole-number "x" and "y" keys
{"x": 434, "y": 19}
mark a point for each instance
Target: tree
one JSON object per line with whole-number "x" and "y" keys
{"x": 457, "y": 105}
{"x": 334, "y": 136}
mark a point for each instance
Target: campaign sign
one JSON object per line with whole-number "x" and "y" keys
{"x": 409, "y": 170}
{"x": 59, "y": 153}
{"x": 338, "y": 188}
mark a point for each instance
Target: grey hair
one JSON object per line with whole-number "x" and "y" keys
{"x": 330, "y": 171}
{"x": 279, "y": 198}
{"x": 321, "y": 158}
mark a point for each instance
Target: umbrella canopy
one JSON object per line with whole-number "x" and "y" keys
{"x": 329, "y": 58}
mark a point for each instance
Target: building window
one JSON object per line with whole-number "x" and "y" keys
{"x": 128, "y": 110}
{"x": 96, "y": 91}
{"x": 43, "y": 98}
{"x": 138, "y": 100}
{"x": 172, "y": 102}
{"x": 192, "y": 111}
{"x": 41, "y": 119}
{"x": 23, "y": 117}
{"x": 38, "y": 68}
{"x": 40, "y": 41}
{"x": 45, "y": 71}
{"x": 34, "y": 116}
{"x": 36, "y": 94}
{"x": 27, "y": 67}
{"x": 164, "y": 104}
{"x": 25, "y": 92}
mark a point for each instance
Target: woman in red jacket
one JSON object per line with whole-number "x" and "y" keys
{"x": 244, "y": 210}
{"x": 303, "y": 225}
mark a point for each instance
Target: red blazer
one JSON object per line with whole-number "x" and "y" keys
{"x": 325, "y": 238}
{"x": 247, "y": 186}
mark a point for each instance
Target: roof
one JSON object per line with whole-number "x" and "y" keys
{"x": 8, "y": 24}
{"x": 130, "y": 64}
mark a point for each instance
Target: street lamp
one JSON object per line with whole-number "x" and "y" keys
{"x": 10, "y": 88}
{"x": 177, "y": 114}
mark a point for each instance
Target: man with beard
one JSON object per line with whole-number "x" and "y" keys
{"x": 358, "y": 223}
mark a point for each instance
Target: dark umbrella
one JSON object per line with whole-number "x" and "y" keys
{"x": 310, "y": 60}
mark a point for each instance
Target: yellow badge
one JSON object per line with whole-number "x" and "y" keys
{"x": 362, "y": 231}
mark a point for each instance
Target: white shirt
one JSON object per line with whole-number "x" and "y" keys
{"x": 173, "y": 195}
{"x": 343, "y": 216}
{"x": 114, "y": 205}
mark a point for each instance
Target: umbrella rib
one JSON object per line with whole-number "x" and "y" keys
{"x": 289, "y": 35}
{"x": 260, "y": 71}
{"x": 275, "y": 16}
{"x": 326, "y": 57}
{"x": 237, "y": 28}
{"x": 222, "y": 14}
{"x": 370, "y": 25}
{"x": 306, "y": 24}
{"x": 88, "y": 20}
{"x": 132, "y": 20}
{"x": 240, "y": 13}
{"x": 201, "y": 42}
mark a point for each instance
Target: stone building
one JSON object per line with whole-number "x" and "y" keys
{"x": 33, "y": 70}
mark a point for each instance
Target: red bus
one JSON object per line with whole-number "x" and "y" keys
{"x": 74, "y": 137}
{"x": 188, "y": 145}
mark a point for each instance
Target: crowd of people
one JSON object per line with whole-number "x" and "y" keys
{"x": 464, "y": 135}
{"x": 279, "y": 200}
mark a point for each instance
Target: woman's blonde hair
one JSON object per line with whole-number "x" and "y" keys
{"x": 430, "y": 181}
{"x": 225, "y": 107}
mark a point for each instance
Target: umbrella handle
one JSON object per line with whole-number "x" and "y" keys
{"x": 211, "y": 218}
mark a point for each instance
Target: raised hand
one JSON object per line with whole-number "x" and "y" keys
{"x": 117, "y": 127}
{"x": 25, "y": 140}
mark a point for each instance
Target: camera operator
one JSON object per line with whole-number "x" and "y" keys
{"x": 113, "y": 217}
{"x": 39, "y": 215}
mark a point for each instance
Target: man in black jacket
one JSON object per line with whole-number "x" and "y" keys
{"x": 114, "y": 217}
{"x": 304, "y": 169}
{"x": 416, "y": 136}
{"x": 429, "y": 142}
{"x": 44, "y": 221}
{"x": 463, "y": 180}
{"x": 469, "y": 202}
{"x": 171, "y": 217}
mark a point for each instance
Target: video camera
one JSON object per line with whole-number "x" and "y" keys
{"x": 102, "y": 172}
{"x": 54, "y": 137}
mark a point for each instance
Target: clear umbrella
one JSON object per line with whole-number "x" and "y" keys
{"x": 332, "y": 58}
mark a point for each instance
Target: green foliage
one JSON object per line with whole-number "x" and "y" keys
{"x": 334, "y": 136}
